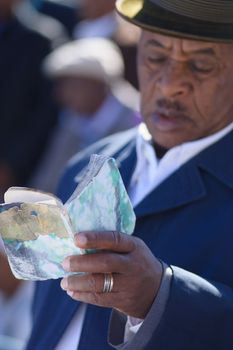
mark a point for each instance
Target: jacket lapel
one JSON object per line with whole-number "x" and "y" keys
{"x": 182, "y": 187}
{"x": 126, "y": 162}
{"x": 95, "y": 329}
{"x": 61, "y": 319}
{"x": 218, "y": 160}
{"x": 53, "y": 317}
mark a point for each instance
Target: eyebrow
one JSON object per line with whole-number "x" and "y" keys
{"x": 206, "y": 51}
{"x": 154, "y": 42}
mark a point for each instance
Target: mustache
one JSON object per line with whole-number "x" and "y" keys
{"x": 170, "y": 107}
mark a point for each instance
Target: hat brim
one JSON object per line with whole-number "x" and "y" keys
{"x": 156, "y": 19}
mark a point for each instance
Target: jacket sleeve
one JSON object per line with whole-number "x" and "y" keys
{"x": 198, "y": 315}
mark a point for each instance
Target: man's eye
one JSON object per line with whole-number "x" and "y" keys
{"x": 156, "y": 59}
{"x": 201, "y": 67}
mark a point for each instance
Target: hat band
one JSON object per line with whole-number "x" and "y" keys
{"x": 204, "y": 10}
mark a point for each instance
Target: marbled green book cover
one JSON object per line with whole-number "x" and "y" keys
{"x": 38, "y": 230}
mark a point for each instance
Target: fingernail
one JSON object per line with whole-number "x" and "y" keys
{"x": 64, "y": 284}
{"x": 66, "y": 265}
{"x": 70, "y": 293}
{"x": 81, "y": 239}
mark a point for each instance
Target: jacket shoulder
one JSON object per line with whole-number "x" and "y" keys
{"x": 111, "y": 146}
{"x": 108, "y": 146}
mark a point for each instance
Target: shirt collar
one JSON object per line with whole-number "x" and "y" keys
{"x": 146, "y": 155}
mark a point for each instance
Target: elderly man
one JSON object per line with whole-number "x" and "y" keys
{"x": 171, "y": 284}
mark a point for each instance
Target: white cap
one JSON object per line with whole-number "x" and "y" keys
{"x": 96, "y": 58}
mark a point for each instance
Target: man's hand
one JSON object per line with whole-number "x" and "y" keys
{"x": 137, "y": 273}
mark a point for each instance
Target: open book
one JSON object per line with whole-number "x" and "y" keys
{"x": 38, "y": 230}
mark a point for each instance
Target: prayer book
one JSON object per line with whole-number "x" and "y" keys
{"x": 38, "y": 230}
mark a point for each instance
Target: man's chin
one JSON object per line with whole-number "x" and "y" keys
{"x": 168, "y": 139}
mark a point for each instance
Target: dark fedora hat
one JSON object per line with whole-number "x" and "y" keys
{"x": 209, "y": 20}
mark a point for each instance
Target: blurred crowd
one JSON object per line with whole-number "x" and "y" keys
{"x": 68, "y": 78}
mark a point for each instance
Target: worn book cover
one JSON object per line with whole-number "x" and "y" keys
{"x": 38, "y": 230}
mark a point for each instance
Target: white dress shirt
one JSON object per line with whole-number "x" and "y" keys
{"x": 148, "y": 174}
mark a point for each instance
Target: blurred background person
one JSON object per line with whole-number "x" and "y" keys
{"x": 66, "y": 12}
{"x": 27, "y": 115}
{"x": 101, "y": 20}
{"x": 47, "y": 25}
{"x": 89, "y": 18}
{"x": 15, "y": 306}
{"x": 95, "y": 101}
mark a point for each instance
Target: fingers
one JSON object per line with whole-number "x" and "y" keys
{"x": 92, "y": 283}
{"x": 104, "y": 300}
{"x": 136, "y": 273}
{"x": 89, "y": 289}
{"x": 109, "y": 240}
{"x": 113, "y": 251}
{"x": 96, "y": 263}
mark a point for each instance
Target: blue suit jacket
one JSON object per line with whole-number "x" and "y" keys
{"x": 188, "y": 223}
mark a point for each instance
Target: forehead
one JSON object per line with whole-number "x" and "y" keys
{"x": 185, "y": 46}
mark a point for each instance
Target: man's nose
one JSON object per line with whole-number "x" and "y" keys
{"x": 174, "y": 80}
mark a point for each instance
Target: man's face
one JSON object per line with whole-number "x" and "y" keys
{"x": 186, "y": 87}
{"x": 81, "y": 95}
